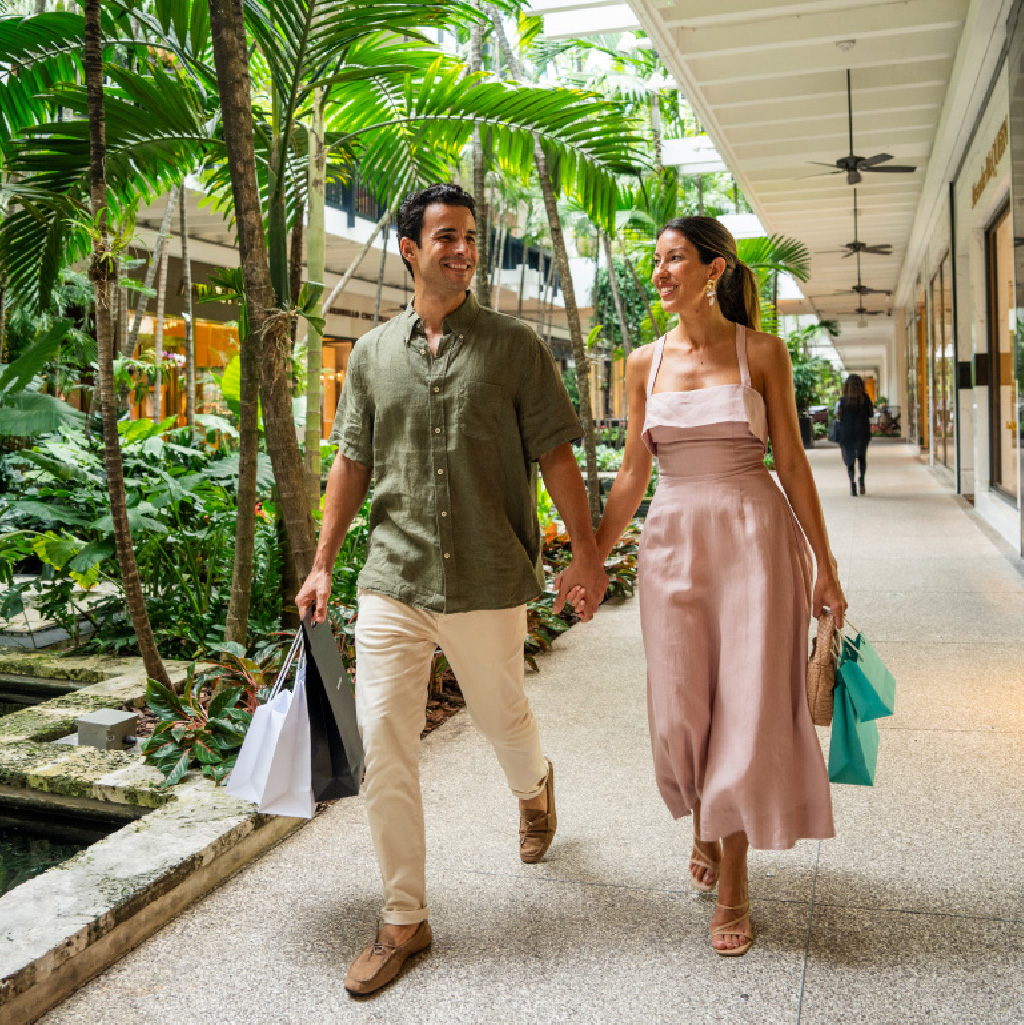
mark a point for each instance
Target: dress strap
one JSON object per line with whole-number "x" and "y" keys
{"x": 659, "y": 351}
{"x": 741, "y": 354}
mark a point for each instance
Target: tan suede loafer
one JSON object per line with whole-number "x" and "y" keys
{"x": 379, "y": 962}
{"x": 537, "y": 828}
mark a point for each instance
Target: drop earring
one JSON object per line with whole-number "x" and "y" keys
{"x": 710, "y": 291}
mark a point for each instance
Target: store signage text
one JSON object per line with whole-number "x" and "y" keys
{"x": 995, "y": 154}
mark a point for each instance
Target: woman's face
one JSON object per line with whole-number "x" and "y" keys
{"x": 679, "y": 276}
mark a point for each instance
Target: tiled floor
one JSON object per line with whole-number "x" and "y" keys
{"x": 914, "y": 913}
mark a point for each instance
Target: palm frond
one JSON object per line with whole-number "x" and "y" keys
{"x": 776, "y": 253}
{"x": 588, "y": 140}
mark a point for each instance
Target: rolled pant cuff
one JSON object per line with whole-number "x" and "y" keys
{"x": 404, "y": 917}
{"x": 528, "y": 795}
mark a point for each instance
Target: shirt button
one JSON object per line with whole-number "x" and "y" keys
{"x": 437, "y": 430}
{"x": 440, "y": 471}
{"x": 447, "y": 555}
{"x": 437, "y": 388}
{"x": 443, "y": 514}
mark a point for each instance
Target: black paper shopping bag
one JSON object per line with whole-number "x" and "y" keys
{"x": 337, "y": 750}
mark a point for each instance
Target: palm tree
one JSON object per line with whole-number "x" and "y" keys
{"x": 396, "y": 107}
{"x": 102, "y": 271}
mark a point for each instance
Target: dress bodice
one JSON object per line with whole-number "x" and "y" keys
{"x": 685, "y": 429}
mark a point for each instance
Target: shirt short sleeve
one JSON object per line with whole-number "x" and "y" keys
{"x": 353, "y": 422}
{"x": 546, "y": 416}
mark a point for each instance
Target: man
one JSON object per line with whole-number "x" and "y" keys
{"x": 447, "y": 405}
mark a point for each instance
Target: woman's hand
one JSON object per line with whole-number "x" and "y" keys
{"x": 828, "y": 592}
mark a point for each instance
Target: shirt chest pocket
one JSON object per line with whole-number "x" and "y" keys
{"x": 479, "y": 407}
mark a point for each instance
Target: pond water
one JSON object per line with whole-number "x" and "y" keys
{"x": 33, "y": 841}
{"x": 18, "y": 692}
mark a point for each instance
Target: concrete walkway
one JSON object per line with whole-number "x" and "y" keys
{"x": 914, "y": 913}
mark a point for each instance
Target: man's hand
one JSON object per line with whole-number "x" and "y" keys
{"x": 315, "y": 592}
{"x": 582, "y": 583}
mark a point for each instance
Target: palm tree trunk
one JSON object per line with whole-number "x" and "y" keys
{"x": 101, "y": 271}
{"x": 655, "y": 326}
{"x": 162, "y": 238}
{"x": 158, "y": 342}
{"x": 613, "y": 281}
{"x": 354, "y": 265}
{"x": 572, "y": 312}
{"x": 380, "y": 276}
{"x": 267, "y": 324}
{"x": 483, "y": 227}
{"x": 190, "y": 327}
{"x": 295, "y": 262}
{"x": 655, "y": 109}
{"x": 522, "y": 279}
{"x": 315, "y": 249}
{"x": 544, "y": 291}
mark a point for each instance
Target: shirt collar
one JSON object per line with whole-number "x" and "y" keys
{"x": 460, "y": 319}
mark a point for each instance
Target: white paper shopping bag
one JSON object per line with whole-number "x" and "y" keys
{"x": 277, "y": 782}
{"x": 248, "y": 778}
{"x": 289, "y": 785}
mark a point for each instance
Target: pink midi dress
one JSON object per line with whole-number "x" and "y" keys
{"x": 725, "y": 599}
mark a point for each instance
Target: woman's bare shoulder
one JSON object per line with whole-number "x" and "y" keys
{"x": 765, "y": 350}
{"x": 641, "y": 356}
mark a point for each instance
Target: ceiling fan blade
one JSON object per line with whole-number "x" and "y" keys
{"x": 892, "y": 169}
{"x": 883, "y": 250}
{"x": 878, "y": 158}
{"x": 874, "y": 291}
{"x": 821, "y": 163}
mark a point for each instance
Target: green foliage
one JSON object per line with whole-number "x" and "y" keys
{"x": 815, "y": 380}
{"x": 572, "y": 388}
{"x": 637, "y": 321}
{"x": 24, "y": 409}
{"x": 182, "y": 515}
{"x": 195, "y": 729}
{"x": 608, "y": 458}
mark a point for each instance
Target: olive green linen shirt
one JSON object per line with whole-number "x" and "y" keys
{"x": 450, "y": 439}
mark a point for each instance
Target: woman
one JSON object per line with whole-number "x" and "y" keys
{"x": 725, "y": 573}
{"x": 855, "y": 411}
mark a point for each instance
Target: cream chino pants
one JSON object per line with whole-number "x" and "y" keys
{"x": 394, "y": 647}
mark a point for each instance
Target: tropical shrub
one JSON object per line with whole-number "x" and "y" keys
{"x": 195, "y": 728}
{"x": 55, "y": 521}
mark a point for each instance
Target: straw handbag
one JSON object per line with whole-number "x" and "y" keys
{"x": 821, "y": 669}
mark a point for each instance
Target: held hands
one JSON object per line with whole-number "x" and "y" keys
{"x": 315, "y": 592}
{"x": 582, "y": 584}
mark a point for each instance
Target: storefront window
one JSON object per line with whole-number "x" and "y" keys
{"x": 1002, "y": 382}
{"x": 923, "y": 415}
{"x": 942, "y": 363}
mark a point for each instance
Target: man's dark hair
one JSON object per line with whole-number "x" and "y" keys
{"x": 409, "y": 218}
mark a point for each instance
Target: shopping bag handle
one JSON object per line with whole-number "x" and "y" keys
{"x": 287, "y": 664}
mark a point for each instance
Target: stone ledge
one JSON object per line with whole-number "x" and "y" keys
{"x": 63, "y": 927}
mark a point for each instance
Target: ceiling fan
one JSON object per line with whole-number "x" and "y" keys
{"x": 858, "y": 247}
{"x": 851, "y": 165}
{"x": 860, "y": 288}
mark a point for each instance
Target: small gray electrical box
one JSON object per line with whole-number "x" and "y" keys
{"x": 106, "y": 729}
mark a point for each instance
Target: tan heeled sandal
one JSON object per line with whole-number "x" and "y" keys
{"x": 730, "y": 929}
{"x": 701, "y": 860}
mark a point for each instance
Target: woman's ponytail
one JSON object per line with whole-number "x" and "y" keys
{"x": 738, "y": 296}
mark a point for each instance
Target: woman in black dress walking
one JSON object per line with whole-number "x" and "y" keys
{"x": 855, "y": 412}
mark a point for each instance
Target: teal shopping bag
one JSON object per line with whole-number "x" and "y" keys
{"x": 871, "y": 686}
{"x": 853, "y": 752}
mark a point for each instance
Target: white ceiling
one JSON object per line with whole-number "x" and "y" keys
{"x": 769, "y": 85}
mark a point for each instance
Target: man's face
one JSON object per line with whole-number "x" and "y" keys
{"x": 445, "y": 260}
